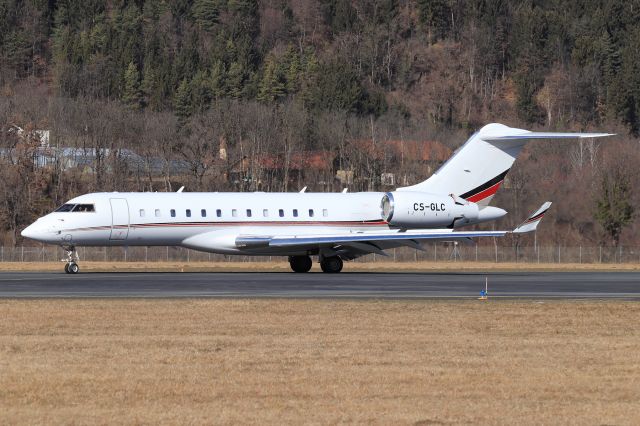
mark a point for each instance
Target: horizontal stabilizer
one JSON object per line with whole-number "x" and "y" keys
{"x": 532, "y": 221}
{"x": 543, "y": 135}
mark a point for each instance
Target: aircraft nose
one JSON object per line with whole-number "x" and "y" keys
{"x": 38, "y": 231}
{"x": 29, "y": 232}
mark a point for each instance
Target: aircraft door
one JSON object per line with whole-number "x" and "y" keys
{"x": 119, "y": 219}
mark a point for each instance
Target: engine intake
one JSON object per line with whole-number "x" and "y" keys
{"x": 424, "y": 210}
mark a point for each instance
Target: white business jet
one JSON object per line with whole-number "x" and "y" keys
{"x": 332, "y": 226}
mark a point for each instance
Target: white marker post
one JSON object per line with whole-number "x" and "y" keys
{"x": 484, "y": 294}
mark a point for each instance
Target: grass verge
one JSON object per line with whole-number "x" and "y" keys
{"x": 283, "y": 266}
{"x": 297, "y": 361}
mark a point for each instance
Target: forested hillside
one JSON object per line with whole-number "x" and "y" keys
{"x": 252, "y": 95}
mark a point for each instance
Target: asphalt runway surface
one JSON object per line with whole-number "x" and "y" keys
{"x": 531, "y": 285}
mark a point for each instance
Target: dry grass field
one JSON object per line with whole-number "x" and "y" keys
{"x": 283, "y": 265}
{"x": 319, "y": 362}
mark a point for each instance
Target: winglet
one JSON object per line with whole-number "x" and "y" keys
{"x": 532, "y": 221}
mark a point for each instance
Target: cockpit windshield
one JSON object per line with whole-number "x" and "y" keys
{"x": 65, "y": 208}
{"x": 82, "y": 208}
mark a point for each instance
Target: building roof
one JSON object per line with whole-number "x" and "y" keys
{"x": 305, "y": 160}
{"x": 409, "y": 149}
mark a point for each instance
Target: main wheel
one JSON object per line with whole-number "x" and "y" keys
{"x": 66, "y": 268}
{"x": 73, "y": 268}
{"x": 300, "y": 263}
{"x": 331, "y": 265}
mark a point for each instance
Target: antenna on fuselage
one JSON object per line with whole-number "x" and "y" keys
{"x": 344, "y": 191}
{"x": 181, "y": 189}
{"x": 303, "y": 190}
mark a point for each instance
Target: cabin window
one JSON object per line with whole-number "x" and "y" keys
{"x": 234, "y": 213}
{"x": 310, "y": 212}
{"x": 141, "y": 212}
{"x": 248, "y": 212}
{"x": 188, "y": 212}
{"x": 219, "y": 213}
{"x": 203, "y": 213}
{"x": 265, "y": 212}
{"x": 295, "y": 212}
{"x": 157, "y": 212}
{"x": 173, "y": 213}
{"x": 325, "y": 212}
{"x": 281, "y": 213}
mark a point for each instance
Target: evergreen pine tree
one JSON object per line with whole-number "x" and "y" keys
{"x": 131, "y": 95}
{"x": 293, "y": 71}
{"x": 614, "y": 210}
{"x": 151, "y": 92}
{"x": 182, "y": 102}
{"x": 625, "y": 90}
{"x": 270, "y": 87}
{"x": 200, "y": 91}
{"x": 435, "y": 15}
{"x": 217, "y": 79}
{"x": 310, "y": 64}
{"x": 611, "y": 58}
{"x": 235, "y": 80}
{"x": 205, "y": 13}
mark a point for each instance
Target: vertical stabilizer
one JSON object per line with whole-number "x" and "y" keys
{"x": 478, "y": 168}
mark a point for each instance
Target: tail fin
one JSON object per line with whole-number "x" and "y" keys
{"x": 477, "y": 169}
{"x": 532, "y": 221}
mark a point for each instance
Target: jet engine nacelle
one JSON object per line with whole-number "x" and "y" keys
{"x": 406, "y": 209}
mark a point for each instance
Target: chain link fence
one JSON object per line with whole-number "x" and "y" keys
{"x": 435, "y": 252}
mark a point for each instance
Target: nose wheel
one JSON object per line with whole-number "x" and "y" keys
{"x": 71, "y": 267}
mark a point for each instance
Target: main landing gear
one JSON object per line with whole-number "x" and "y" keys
{"x": 300, "y": 263}
{"x": 71, "y": 267}
{"x": 330, "y": 265}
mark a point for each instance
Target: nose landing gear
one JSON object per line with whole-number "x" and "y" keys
{"x": 71, "y": 267}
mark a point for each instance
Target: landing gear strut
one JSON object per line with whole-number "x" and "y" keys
{"x": 300, "y": 263}
{"x": 331, "y": 265}
{"x": 71, "y": 267}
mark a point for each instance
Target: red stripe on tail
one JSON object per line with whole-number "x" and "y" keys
{"x": 486, "y": 193}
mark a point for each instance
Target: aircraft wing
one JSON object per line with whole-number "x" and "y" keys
{"x": 354, "y": 244}
{"x": 379, "y": 237}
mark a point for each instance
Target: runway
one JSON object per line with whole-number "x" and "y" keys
{"x": 534, "y": 285}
